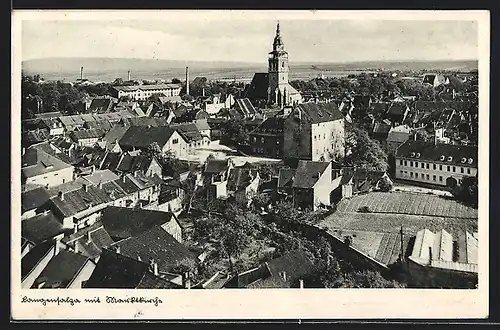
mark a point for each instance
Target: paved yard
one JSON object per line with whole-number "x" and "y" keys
{"x": 408, "y": 203}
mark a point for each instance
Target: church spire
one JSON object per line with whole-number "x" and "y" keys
{"x": 278, "y": 43}
{"x": 278, "y": 28}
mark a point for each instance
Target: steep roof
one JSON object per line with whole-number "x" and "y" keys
{"x": 122, "y": 222}
{"x": 33, "y": 199}
{"x": 258, "y": 87}
{"x": 240, "y": 178}
{"x": 245, "y": 107}
{"x": 90, "y": 240}
{"x": 216, "y": 166}
{"x": 101, "y": 105}
{"x": 189, "y": 131}
{"x": 88, "y": 134}
{"x": 145, "y": 121}
{"x": 397, "y": 109}
{"x": 116, "y": 271}
{"x": 285, "y": 178}
{"x": 295, "y": 264}
{"x": 37, "y": 162}
{"x": 41, "y": 227}
{"x": 319, "y": 112}
{"x": 102, "y": 125}
{"x": 157, "y": 244}
{"x": 430, "y": 152}
{"x": 115, "y": 134}
{"x": 79, "y": 200}
{"x": 307, "y": 172}
{"x": 202, "y": 125}
{"x": 61, "y": 270}
{"x": 400, "y": 134}
{"x": 143, "y": 137}
{"x": 35, "y": 136}
{"x": 34, "y": 256}
{"x": 99, "y": 176}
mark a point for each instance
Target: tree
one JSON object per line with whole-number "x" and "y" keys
{"x": 467, "y": 192}
{"x": 424, "y": 136}
{"x": 385, "y": 184}
{"x": 364, "y": 152}
{"x": 176, "y": 81}
{"x": 236, "y": 131}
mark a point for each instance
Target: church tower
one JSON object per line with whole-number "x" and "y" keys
{"x": 278, "y": 72}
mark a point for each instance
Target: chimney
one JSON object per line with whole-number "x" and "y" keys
{"x": 136, "y": 173}
{"x": 301, "y": 283}
{"x": 283, "y": 275}
{"x": 61, "y": 195}
{"x": 128, "y": 75}
{"x": 117, "y": 249}
{"x": 81, "y": 73}
{"x": 153, "y": 266}
{"x": 56, "y": 247}
{"x": 187, "y": 281}
{"x": 123, "y": 178}
{"x": 187, "y": 80}
{"x": 100, "y": 185}
{"x": 23, "y": 151}
{"x": 203, "y": 91}
{"x": 430, "y": 255}
{"x": 75, "y": 247}
{"x": 86, "y": 187}
{"x": 89, "y": 237}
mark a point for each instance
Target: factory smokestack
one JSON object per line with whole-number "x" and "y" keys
{"x": 81, "y": 73}
{"x": 128, "y": 75}
{"x": 187, "y": 80}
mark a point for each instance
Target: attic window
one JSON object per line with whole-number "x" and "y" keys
{"x": 450, "y": 158}
{"x": 464, "y": 160}
{"x": 47, "y": 165}
{"x": 470, "y": 161}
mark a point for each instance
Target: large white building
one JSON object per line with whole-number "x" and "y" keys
{"x": 143, "y": 92}
{"x": 441, "y": 164}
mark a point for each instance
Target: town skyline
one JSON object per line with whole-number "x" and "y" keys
{"x": 245, "y": 41}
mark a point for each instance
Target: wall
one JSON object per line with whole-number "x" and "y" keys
{"x": 83, "y": 275}
{"x": 54, "y": 178}
{"x": 323, "y": 188}
{"x": 444, "y": 173}
{"x": 297, "y": 138}
{"x": 180, "y": 148}
{"x": 428, "y": 277}
{"x": 327, "y": 138}
{"x": 28, "y": 214}
{"x": 154, "y": 168}
{"x": 213, "y": 108}
{"x": 30, "y": 279}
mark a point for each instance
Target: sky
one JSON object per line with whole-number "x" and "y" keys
{"x": 249, "y": 40}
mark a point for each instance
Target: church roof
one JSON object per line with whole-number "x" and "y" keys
{"x": 258, "y": 87}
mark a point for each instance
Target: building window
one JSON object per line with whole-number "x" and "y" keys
{"x": 56, "y": 174}
{"x": 422, "y": 165}
{"x": 433, "y": 166}
{"x": 324, "y": 136}
{"x": 262, "y": 140}
{"x": 461, "y": 170}
{"x": 422, "y": 175}
{"x": 427, "y": 165}
{"x": 440, "y": 179}
{"x": 64, "y": 180}
{"x": 175, "y": 141}
{"x": 416, "y": 164}
{"x": 434, "y": 177}
{"x": 427, "y": 177}
{"x": 440, "y": 167}
{"x": 468, "y": 171}
{"x": 411, "y": 174}
{"x": 448, "y": 168}
{"x": 254, "y": 139}
{"x": 454, "y": 169}
{"x": 401, "y": 172}
{"x": 400, "y": 162}
{"x": 45, "y": 177}
{"x": 411, "y": 164}
{"x": 406, "y": 163}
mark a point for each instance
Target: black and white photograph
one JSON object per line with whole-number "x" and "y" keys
{"x": 185, "y": 151}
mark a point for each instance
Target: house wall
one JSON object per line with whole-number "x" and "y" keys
{"x": 52, "y": 179}
{"x": 213, "y": 108}
{"x": 323, "y": 188}
{"x": 154, "y": 168}
{"x": 427, "y": 277}
{"x": 30, "y": 279}
{"x": 28, "y": 214}
{"x": 177, "y": 145}
{"x": 297, "y": 138}
{"x": 267, "y": 144}
{"x": 27, "y": 249}
{"x": 252, "y": 188}
{"x": 83, "y": 275}
{"x": 408, "y": 171}
{"x": 87, "y": 142}
{"x": 327, "y": 139}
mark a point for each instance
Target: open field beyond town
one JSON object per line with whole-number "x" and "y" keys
{"x": 408, "y": 203}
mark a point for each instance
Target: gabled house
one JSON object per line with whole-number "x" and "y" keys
{"x": 122, "y": 223}
{"x": 268, "y": 138}
{"x": 287, "y": 271}
{"x": 88, "y": 241}
{"x": 216, "y": 175}
{"x": 32, "y": 200}
{"x": 313, "y": 184}
{"x": 88, "y": 137}
{"x": 358, "y": 181}
{"x": 192, "y": 135}
{"x": 169, "y": 140}
{"x": 41, "y": 228}
{"x": 67, "y": 270}
{"x": 34, "y": 262}
{"x": 435, "y": 80}
{"x": 40, "y": 169}
{"x": 314, "y": 132}
{"x": 396, "y": 137}
{"x": 117, "y": 271}
{"x": 397, "y": 113}
{"x": 130, "y": 162}
{"x": 243, "y": 182}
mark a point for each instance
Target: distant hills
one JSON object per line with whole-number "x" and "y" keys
{"x": 106, "y": 69}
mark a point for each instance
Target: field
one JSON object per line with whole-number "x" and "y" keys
{"x": 408, "y": 203}
{"x": 392, "y": 223}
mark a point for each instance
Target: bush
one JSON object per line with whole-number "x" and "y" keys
{"x": 364, "y": 209}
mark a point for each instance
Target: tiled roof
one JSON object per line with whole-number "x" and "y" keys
{"x": 319, "y": 112}
{"x": 285, "y": 178}
{"x": 101, "y": 105}
{"x": 398, "y": 134}
{"x": 189, "y": 131}
{"x": 99, "y": 176}
{"x": 122, "y": 222}
{"x": 271, "y": 282}
{"x": 37, "y": 162}
{"x": 307, "y": 172}
{"x": 245, "y": 107}
{"x": 173, "y": 99}
{"x": 295, "y": 264}
{"x": 143, "y": 137}
{"x": 34, "y": 256}
{"x": 147, "y": 87}
{"x": 115, "y": 134}
{"x": 240, "y": 178}
{"x": 157, "y": 244}
{"x": 88, "y": 134}
{"x": 48, "y": 114}
{"x": 109, "y": 160}
{"x": 216, "y": 166}
{"x": 145, "y": 121}
{"x": 258, "y": 87}
{"x": 381, "y": 128}
{"x": 202, "y": 125}
{"x": 41, "y": 227}
{"x": 467, "y": 248}
{"x": 33, "y": 199}
{"x": 34, "y": 137}
{"x": 439, "y": 153}
{"x": 397, "y": 109}
{"x": 102, "y": 125}
{"x": 99, "y": 239}
{"x": 61, "y": 270}
{"x": 79, "y": 200}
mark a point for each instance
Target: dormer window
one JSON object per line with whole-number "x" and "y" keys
{"x": 470, "y": 161}
{"x": 450, "y": 158}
